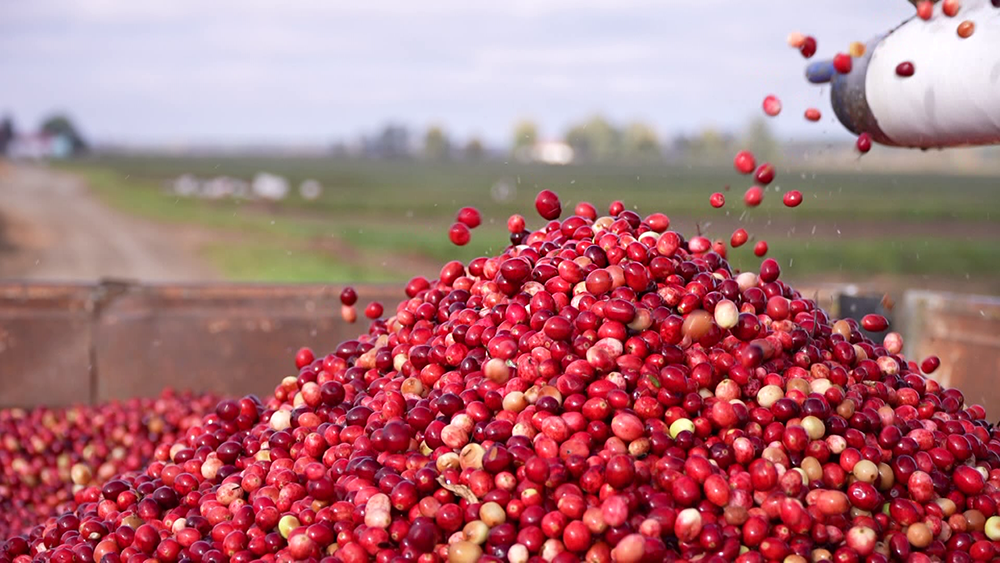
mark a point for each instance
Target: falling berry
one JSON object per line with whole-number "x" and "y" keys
{"x": 760, "y": 249}
{"x": 772, "y": 105}
{"x": 842, "y": 62}
{"x": 925, "y": 9}
{"x": 966, "y": 29}
{"x": 950, "y": 7}
{"x": 373, "y": 310}
{"x": 813, "y": 114}
{"x": 864, "y": 143}
{"x": 764, "y": 174}
{"x": 717, "y": 200}
{"x": 348, "y": 313}
{"x": 874, "y": 323}
{"x": 469, "y": 216}
{"x": 856, "y": 49}
{"x": 754, "y": 196}
{"x": 808, "y": 47}
{"x": 905, "y": 69}
{"x": 930, "y": 364}
{"x": 792, "y": 198}
{"x": 796, "y": 39}
{"x": 459, "y": 234}
{"x": 348, "y": 296}
{"x": 739, "y": 238}
{"x": 547, "y": 204}
{"x": 744, "y": 162}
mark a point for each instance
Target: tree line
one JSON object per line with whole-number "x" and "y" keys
{"x": 595, "y": 139}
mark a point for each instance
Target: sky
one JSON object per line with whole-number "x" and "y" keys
{"x": 249, "y": 71}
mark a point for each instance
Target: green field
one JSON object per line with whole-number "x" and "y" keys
{"x": 385, "y": 220}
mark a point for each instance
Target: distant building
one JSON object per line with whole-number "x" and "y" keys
{"x": 393, "y": 141}
{"x": 551, "y": 152}
{"x": 40, "y": 146}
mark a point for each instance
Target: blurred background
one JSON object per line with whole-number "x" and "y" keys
{"x": 332, "y": 143}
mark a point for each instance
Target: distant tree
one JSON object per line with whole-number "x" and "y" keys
{"x": 525, "y": 134}
{"x": 338, "y": 148}
{"x": 681, "y": 143}
{"x": 759, "y": 139}
{"x": 393, "y": 141}
{"x": 474, "y": 149}
{"x": 708, "y": 146}
{"x": 639, "y": 141}
{"x": 60, "y": 124}
{"x": 595, "y": 139}
{"x": 436, "y": 144}
{"x": 7, "y": 133}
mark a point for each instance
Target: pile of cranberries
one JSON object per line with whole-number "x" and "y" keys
{"x": 48, "y": 454}
{"x": 603, "y": 390}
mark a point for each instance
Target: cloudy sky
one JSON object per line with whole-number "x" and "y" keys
{"x": 240, "y": 71}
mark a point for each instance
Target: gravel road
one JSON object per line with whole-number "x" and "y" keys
{"x": 53, "y": 229}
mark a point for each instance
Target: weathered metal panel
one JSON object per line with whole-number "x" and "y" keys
{"x": 964, "y": 331}
{"x": 45, "y": 337}
{"x": 62, "y": 344}
{"x": 231, "y": 339}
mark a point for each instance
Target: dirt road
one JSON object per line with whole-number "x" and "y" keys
{"x": 53, "y": 229}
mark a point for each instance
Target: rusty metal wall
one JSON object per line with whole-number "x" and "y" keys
{"x": 45, "y": 344}
{"x": 63, "y": 344}
{"x": 964, "y": 331}
{"x": 68, "y": 344}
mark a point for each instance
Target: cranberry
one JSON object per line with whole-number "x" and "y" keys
{"x": 792, "y": 198}
{"x": 744, "y": 162}
{"x": 459, "y": 234}
{"x": 547, "y": 204}
{"x": 468, "y": 216}
{"x": 753, "y": 196}
{"x": 864, "y": 143}
{"x": 842, "y": 63}
{"x": 606, "y": 389}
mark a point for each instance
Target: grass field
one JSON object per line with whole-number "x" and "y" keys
{"x": 384, "y": 221}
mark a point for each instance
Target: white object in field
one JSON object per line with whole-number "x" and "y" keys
{"x": 241, "y": 189}
{"x": 186, "y": 185}
{"x": 269, "y": 186}
{"x": 953, "y": 97}
{"x": 310, "y": 190}
{"x": 552, "y": 152}
{"x": 218, "y": 188}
